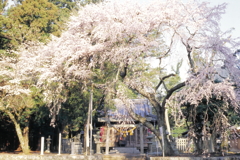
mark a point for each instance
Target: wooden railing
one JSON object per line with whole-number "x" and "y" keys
{"x": 183, "y": 145}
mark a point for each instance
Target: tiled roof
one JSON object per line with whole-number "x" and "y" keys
{"x": 141, "y": 107}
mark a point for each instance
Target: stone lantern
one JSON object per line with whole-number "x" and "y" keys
{"x": 48, "y": 144}
{"x": 97, "y": 142}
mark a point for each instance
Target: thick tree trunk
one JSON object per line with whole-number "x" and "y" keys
{"x": 166, "y": 146}
{"x": 160, "y": 110}
{"x": 198, "y": 145}
{"x": 161, "y": 120}
{"x": 26, "y": 135}
{"x": 22, "y": 136}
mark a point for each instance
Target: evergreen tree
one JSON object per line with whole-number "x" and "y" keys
{"x": 33, "y": 20}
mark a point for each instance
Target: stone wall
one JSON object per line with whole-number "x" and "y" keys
{"x": 195, "y": 158}
{"x": 104, "y": 157}
{"x": 47, "y": 157}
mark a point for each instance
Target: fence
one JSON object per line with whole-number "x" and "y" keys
{"x": 71, "y": 147}
{"x": 66, "y": 146}
{"x": 183, "y": 145}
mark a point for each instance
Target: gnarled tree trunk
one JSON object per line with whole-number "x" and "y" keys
{"x": 22, "y": 135}
{"x": 166, "y": 146}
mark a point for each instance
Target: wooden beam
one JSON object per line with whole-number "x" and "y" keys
{"x": 103, "y": 119}
{"x": 125, "y": 125}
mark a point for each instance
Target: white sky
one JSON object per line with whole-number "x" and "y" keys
{"x": 231, "y": 19}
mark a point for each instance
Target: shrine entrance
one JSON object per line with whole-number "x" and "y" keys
{"x": 120, "y": 130}
{"x": 133, "y": 137}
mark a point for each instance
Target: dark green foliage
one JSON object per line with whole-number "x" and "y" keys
{"x": 33, "y": 108}
{"x": 206, "y": 116}
{"x": 7, "y": 132}
{"x": 73, "y": 114}
{"x": 234, "y": 117}
{"x": 178, "y": 131}
{"x": 85, "y": 2}
{"x": 34, "y": 20}
{"x": 68, "y": 4}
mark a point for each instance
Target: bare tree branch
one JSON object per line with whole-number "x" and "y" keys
{"x": 169, "y": 49}
{"x": 162, "y": 80}
{"x": 171, "y": 91}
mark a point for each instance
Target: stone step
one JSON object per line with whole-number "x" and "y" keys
{"x": 124, "y": 157}
{"x": 156, "y": 148}
{"x": 124, "y": 150}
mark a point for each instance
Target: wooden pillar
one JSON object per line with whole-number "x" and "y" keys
{"x": 136, "y": 136}
{"x": 141, "y": 139}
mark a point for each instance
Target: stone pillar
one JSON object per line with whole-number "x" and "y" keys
{"x": 141, "y": 139}
{"x": 59, "y": 143}
{"x": 42, "y": 145}
{"x": 97, "y": 142}
{"x": 107, "y": 140}
{"x": 98, "y": 147}
{"x": 72, "y": 148}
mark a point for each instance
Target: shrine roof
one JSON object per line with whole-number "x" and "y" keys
{"x": 141, "y": 107}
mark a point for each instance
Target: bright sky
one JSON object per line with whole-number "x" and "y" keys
{"x": 231, "y": 19}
